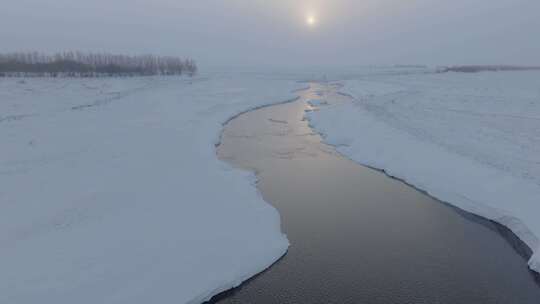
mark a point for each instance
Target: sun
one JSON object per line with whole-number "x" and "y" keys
{"x": 311, "y": 20}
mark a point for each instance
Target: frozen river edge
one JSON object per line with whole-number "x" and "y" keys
{"x": 112, "y": 192}
{"x": 418, "y": 164}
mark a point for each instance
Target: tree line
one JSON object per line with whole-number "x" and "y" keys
{"x": 81, "y": 64}
{"x": 486, "y": 68}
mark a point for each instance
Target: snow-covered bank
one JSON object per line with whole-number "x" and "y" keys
{"x": 472, "y": 140}
{"x": 111, "y": 192}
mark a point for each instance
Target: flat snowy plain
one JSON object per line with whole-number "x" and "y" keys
{"x": 472, "y": 140}
{"x": 111, "y": 191}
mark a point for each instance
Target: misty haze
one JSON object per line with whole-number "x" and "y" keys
{"x": 250, "y": 151}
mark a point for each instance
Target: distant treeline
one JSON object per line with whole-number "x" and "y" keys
{"x": 486, "y": 68}
{"x": 80, "y": 64}
{"x": 411, "y": 66}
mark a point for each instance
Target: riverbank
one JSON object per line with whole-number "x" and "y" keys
{"x": 111, "y": 192}
{"x": 467, "y": 139}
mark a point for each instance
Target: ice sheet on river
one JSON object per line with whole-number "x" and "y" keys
{"x": 472, "y": 140}
{"x": 111, "y": 192}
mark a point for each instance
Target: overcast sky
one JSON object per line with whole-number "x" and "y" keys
{"x": 268, "y": 32}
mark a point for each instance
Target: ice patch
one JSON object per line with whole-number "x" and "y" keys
{"x": 317, "y": 102}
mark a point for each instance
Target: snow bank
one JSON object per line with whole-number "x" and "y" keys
{"x": 472, "y": 140}
{"x": 111, "y": 192}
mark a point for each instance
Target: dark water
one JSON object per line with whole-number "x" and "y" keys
{"x": 358, "y": 236}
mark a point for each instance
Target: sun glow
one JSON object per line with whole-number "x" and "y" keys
{"x": 311, "y": 20}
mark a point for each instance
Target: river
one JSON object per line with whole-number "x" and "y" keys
{"x": 357, "y": 235}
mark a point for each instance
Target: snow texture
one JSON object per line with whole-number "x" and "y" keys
{"x": 111, "y": 191}
{"x": 472, "y": 140}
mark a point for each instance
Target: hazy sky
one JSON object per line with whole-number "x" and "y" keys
{"x": 254, "y": 32}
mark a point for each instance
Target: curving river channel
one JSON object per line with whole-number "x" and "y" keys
{"x": 358, "y": 236}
